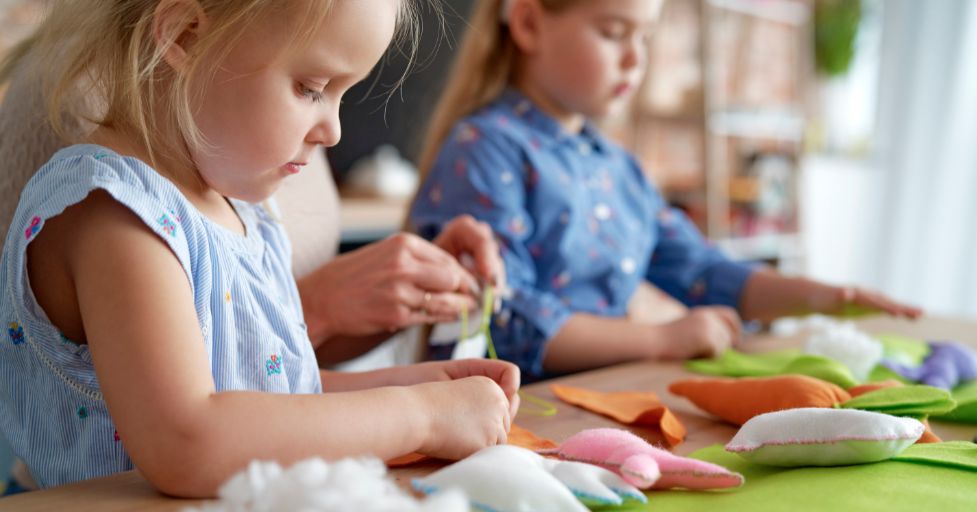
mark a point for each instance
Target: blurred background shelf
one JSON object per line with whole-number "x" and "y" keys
{"x": 720, "y": 121}
{"x": 367, "y": 219}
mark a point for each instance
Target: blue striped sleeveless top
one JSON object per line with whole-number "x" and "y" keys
{"x": 51, "y": 408}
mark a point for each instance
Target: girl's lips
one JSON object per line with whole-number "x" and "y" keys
{"x": 293, "y": 167}
{"x": 622, "y": 89}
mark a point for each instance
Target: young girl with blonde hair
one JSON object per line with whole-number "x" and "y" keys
{"x": 578, "y": 223}
{"x": 153, "y": 321}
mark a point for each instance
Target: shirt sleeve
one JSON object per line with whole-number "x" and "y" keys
{"x": 690, "y": 268}
{"x": 484, "y": 174}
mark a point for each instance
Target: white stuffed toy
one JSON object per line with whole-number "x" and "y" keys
{"x": 507, "y": 478}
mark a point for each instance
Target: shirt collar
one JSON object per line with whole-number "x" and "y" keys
{"x": 521, "y": 107}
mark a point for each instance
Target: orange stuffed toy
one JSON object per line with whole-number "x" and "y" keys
{"x": 738, "y": 400}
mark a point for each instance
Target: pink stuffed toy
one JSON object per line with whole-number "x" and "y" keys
{"x": 641, "y": 464}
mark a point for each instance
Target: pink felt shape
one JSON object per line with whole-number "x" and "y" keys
{"x": 642, "y": 464}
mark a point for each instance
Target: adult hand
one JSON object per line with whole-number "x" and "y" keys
{"x": 465, "y": 235}
{"x": 389, "y": 285}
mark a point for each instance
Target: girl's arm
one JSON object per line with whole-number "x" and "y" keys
{"x": 588, "y": 341}
{"x": 769, "y": 295}
{"x": 505, "y": 374}
{"x": 137, "y": 310}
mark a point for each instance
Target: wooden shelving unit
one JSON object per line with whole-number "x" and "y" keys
{"x": 719, "y": 122}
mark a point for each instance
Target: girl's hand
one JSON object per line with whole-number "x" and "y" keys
{"x": 465, "y": 235}
{"x": 464, "y": 416}
{"x": 504, "y": 374}
{"x": 395, "y": 283}
{"x": 854, "y": 301}
{"x": 706, "y": 331}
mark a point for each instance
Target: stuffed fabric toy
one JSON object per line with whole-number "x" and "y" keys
{"x": 738, "y": 400}
{"x": 824, "y": 437}
{"x": 948, "y": 365}
{"x": 507, "y": 478}
{"x": 641, "y": 464}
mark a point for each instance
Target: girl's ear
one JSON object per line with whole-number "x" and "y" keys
{"x": 525, "y": 17}
{"x": 177, "y": 25}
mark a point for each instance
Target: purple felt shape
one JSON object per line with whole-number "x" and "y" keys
{"x": 947, "y": 365}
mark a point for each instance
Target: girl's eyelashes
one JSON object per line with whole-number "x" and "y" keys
{"x": 315, "y": 95}
{"x": 613, "y": 30}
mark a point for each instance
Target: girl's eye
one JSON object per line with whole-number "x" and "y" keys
{"x": 312, "y": 94}
{"x": 613, "y": 32}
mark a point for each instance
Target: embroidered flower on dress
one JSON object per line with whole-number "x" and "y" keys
{"x": 33, "y": 228}
{"x": 274, "y": 365}
{"x": 168, "y": 225}
{"x": 16, "y": 333}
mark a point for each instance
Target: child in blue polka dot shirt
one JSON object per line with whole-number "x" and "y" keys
{"x": 579, "y": 225}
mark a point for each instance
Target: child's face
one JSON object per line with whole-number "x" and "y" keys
{"x": 592, "y": 55}
{"x": 271, "y": 103}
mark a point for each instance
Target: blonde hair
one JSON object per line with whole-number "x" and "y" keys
{"x": 482, "y": 69}
{"x": 107, "y": 50}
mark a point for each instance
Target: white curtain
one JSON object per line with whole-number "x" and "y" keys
{"x": 921, "y": 237}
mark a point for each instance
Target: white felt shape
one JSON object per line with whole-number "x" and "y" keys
{"x": 824, "y": 437}
{"x": 314, "y": 485}
{"x": 593, "y": 484}
{"x": 450, "y": 332}
{"x": 507, "y": 478}
{"x": 471, "y": 348}
{"x": 844, "y": 343}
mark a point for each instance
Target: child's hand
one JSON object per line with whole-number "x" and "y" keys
{"x": 854, "y": 301}
{"x": 706, "y": 331}
{"x": 503, "y": 373}
{"x": 464, "y": 415}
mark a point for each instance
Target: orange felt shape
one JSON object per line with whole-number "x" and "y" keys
{"x": 523, "y": 438}
{"x": 928, "y": 435}
{"x": 518, "y": 436}
{"x": 738, "y": 400}
{"x": 628, "y": 407}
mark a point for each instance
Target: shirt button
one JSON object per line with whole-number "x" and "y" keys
{"x": 584, "y": 148}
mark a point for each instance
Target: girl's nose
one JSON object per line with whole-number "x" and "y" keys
{"x": 635, "y": 54}
{"x": 327, "y": 130}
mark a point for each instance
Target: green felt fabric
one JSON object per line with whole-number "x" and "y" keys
{"x": 880, "y": 373}
{"x": 821, "y": 368}
{"x": 952, "y": 454}
{"x": 966, "y": 411}
{"x": 781, "y": 362}
{"x": 913, "y": 401}
{"x": 906, "y": 351}
{"x": 890, "y": 486}
{"x": 733, "y": 363}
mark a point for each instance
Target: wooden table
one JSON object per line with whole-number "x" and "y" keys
{"x": 129, "y": 491}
